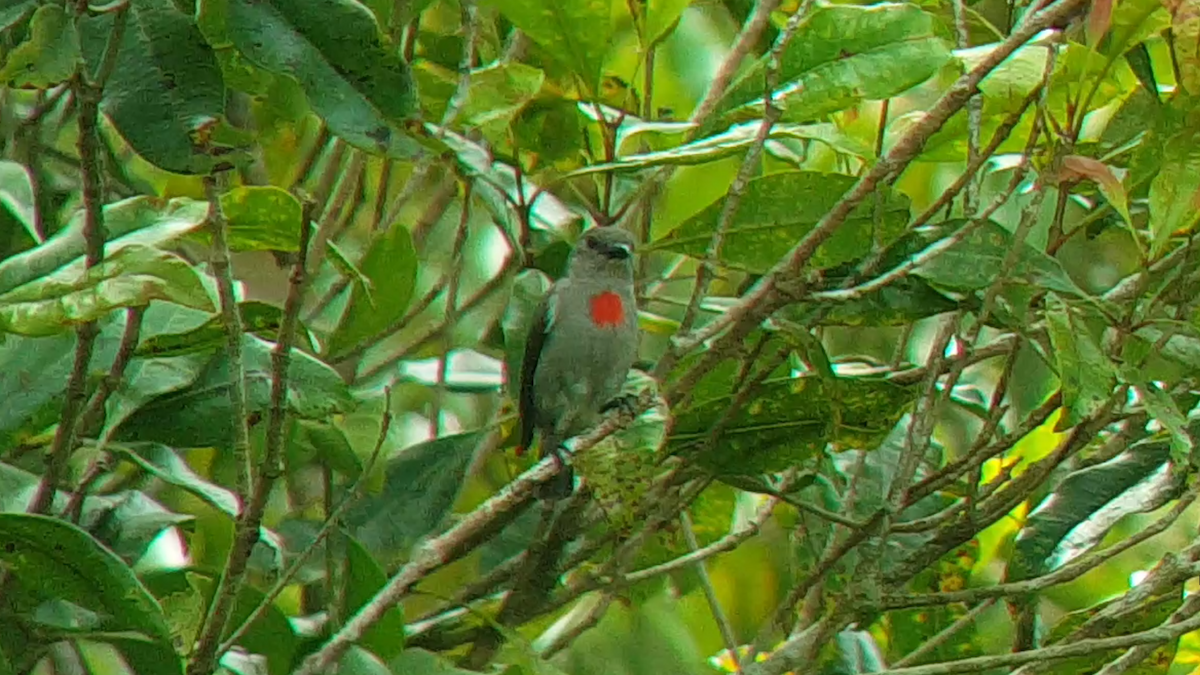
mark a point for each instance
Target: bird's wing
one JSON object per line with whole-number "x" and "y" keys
{"x": 542, "y": 319}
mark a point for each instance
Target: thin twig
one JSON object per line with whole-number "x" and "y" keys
{"x": 285, "y": 579}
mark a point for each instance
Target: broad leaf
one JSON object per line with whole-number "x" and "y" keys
{"x": 16, "y": 194}
{"x": 166, "y": 94}
{"x": 200, "y": 415}
{"x": 390, "y": 265}
{"x": 51, "y": 561}
{"x": 364, "y": 578}
{"x": 131, "y": 277}
{"x": 1085, "y": 371}
{"x": 776, "y": 211}
{"x": 842, "y": 55}
{"x": 978, "y": 259}
{"x": 261, "y": 218}
{"x": 419, "y": 490}
{"x": 574, "y": 32}
{"x": 791, "y": 419}
{"x": 49, "y": 56}
{"x": 1088, "y": 502}
{"x": 138, "y": 220}
{"x": 362, "y": 90}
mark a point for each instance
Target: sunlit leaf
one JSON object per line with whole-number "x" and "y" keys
{"x": 574, "y": 32}
{"x": 50, "y": 54}
{"x": 776, "y": 211}
{"x": 844, "y": 54}
{"x": 131, "y": 277}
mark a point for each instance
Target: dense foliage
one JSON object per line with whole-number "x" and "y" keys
{"x": 920, "y": 341}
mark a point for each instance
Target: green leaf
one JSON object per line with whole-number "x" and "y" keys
{"x": 1087, "y": 504}
{"x": 49, "y": 56}
{"x": 1174, "y": 194}
{"x": 843, "y": 55}
{"x": 791, "y": 419}
{"x": 164, "y": 464}
{"x": 419, "y": 490}
{"x": 495, "y": 94}
{"x": 661, "y": 16}
{"x": 16, "y": 194}
{"x": 261, "y": 218}
{"x": 421, "y": 662}
{"x": 271, "y": 635}
{"x": 733, "y": 140}
{"x": 51, "y": 561}
{"x": 390, "y": 265}
{"x": 139, "y": 220}
{"x": 778, "y": 210}
{"x": 166, "y": 93}
{"x": 259, "y": 318}
{"x": 201, "y": 414}
{"x": 1086, "y": 374}
{"x": 1162, "y": 407}
{"x": 131, "y": 277}
{"x": 126, "y": 522}
{"x": 329, "y": 445}
{"x": 13, "y": 12}
{"x": 364, "y": 578}
{"x": 977, "y": 261}
{"x": 333, "y": 48}
{"x": 577, "y": 33}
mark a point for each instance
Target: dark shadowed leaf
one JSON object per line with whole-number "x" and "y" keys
{"x": 166, "y": 94}
{"x": 1088, "y": 502}
{"x": 390, "y": 265}
{"x": 362, "y": 90}
{"x": 1085, "y": 371}
{"x": 419, "y": 490}
{"x": 130, "y": 277}
{"x": 364, "y": 578}
{"x": 776, "y": 211}
{"x": 199, "y": 416}
{"x": 51, "y": 561}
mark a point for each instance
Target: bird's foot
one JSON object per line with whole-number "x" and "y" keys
{"x": 626, "y": 404}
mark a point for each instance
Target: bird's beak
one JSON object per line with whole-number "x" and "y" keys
{"x": 618, "y": 251}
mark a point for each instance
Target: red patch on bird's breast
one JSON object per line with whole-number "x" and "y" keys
{"x": 607, "y": 310}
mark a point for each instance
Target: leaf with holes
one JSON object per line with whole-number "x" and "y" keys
{"x": 166, "y": 94}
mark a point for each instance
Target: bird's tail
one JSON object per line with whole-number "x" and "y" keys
{"x": 562, "y": 484}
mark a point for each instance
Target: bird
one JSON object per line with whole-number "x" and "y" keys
{"x": 582, "y": 342}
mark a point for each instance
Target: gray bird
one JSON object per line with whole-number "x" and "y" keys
{"x": 583, "y": 341}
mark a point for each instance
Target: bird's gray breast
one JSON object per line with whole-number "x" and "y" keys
{"x": 582, "y": 366}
